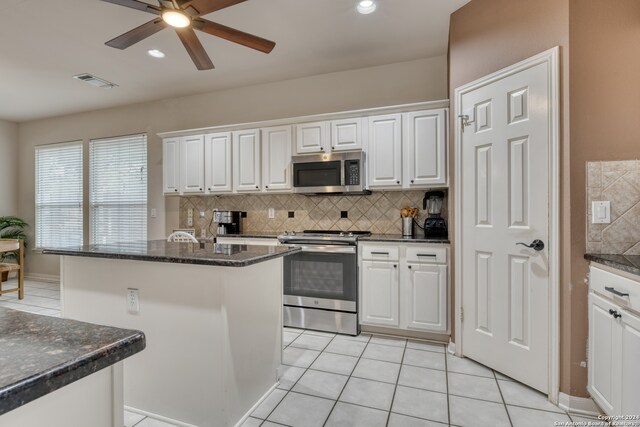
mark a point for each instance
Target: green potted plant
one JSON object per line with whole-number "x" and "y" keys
{"x": 11, "y": 227}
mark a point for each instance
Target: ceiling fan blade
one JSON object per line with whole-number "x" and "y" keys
{"x": 207, "y": 6}
{"x": 138, "y": 5}
{"x": 233, "y": 35}
{"x": 139, "y": 33}
{"x": 194, "y": 48}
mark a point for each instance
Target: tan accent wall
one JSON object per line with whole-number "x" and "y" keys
{"x": 8, "y": 168}
{"x": 399, "y": 83}
{"x": 486, "y": 36}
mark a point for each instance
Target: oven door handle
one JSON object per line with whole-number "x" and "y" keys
{"x": 328, "y": 249}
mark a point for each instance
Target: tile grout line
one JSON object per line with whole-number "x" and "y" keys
{"x": 504, "y": 402}
{"x": 446, "y": 383}
{"x": 395, "y": 388}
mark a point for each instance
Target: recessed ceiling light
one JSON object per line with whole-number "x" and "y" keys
{"x": 176, "y": 19}
{"x": 156, "y": 53}
{"x": 366, "y": 6}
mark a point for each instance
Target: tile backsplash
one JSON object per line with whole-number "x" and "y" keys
{"x": 378, "y": 212}
{"x": 619, "y": 183}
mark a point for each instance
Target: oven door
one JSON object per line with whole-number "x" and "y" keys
{"x": 322, "y": 277}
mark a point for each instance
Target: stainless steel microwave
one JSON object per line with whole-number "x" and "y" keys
{"x": 330, "y": 173}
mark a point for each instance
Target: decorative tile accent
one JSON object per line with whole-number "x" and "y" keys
{"x": 618, "y": 182}
{"x": 378, "y": 212}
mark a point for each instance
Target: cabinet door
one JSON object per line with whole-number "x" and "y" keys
{"x": 425, "y": 148}
{"x": 192, "y": 164}
{"x": 276, "y": 158}
{"x": 217, "y": 167}
{"x": 602, "y": 355}
{"x": 380, "y": 293}
{"x": 423, "y": 293}
{"x": 171, "y": 166}
{"x": 385, "y": 151}
{"x": 246, "y": 160}
{"x": 346, "y": 134}
{"x": 629, "y": 365}
{"x": 312, "y": 138}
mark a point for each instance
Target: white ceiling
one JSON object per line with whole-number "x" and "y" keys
{"x": 44, "y": 42}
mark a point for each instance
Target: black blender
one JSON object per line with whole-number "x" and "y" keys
{"x": 435, "y": 226}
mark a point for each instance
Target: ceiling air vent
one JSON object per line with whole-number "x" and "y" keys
{"x": 95, "y": 81}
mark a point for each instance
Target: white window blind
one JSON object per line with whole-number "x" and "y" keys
{"x": 118, "y": 189}
{"x": 59, "y": 195}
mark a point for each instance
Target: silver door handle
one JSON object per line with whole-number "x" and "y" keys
{"x": 328, "y": 249}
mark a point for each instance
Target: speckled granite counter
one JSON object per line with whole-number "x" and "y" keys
{"x": 398, "y": 238}
{"x": 179, "y": 253}
{"x": 628, "y": 263}
{"x": 40, "y": 354}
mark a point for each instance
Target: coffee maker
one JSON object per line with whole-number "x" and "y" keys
{"x": 435, "y": 226}
{"x": 228, "y": 222}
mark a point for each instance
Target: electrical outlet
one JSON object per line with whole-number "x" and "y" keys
{"x": 190, "y": 217}
{"x": 133, "y": 301}
{"x": 201, "y": 214}
{"x": 271, "y": 213}
{"x": 154, "y": 213}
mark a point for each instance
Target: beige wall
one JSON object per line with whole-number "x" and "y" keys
{"x": 8, "y": 168}
{"x": 406, "y": 82}
{"x": 485, "y": 36}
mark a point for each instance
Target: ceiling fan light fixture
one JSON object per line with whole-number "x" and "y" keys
{"x": 156, "y": 53}
{"x": 366, "y": 7}
{"x": 176, "y": 19}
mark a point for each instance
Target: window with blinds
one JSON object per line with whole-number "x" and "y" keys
{"x": 59, "y": 195}
{"x": 118, "y": 189}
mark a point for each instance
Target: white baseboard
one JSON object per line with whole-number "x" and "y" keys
{"x": 158, "y": 417}
{"x": 254, "y": 407}
{"x": 49, "y": 278}
{"x": 578, "y": 405}
{"x": 451, "y": 348}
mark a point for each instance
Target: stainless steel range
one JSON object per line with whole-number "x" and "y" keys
{"x": 321, "y": 282}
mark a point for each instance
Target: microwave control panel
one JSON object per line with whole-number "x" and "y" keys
{"x": 352, "y": 172}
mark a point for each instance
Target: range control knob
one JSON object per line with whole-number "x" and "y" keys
{"x": 341, "y": 234}
{"x": 293, "y": 233}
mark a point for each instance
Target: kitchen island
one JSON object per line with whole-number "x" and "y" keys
{"x": 212, "y": 315}
{"x": 59, "y": 372}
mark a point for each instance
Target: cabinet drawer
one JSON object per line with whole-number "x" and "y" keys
{"x": 429, "y": 255}
{"x": 612, "y": 285}
{"x": 380, "y": 253}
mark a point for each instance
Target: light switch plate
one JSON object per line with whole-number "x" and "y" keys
{"x": 271, "y": 213}
{"x": 601, "y": 212}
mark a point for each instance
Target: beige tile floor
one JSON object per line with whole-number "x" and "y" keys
{"x": 334, "y": 380}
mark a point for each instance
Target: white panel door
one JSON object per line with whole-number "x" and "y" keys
{"x": 629, "y": 365}
{"x": 217, "y": 154}
{"x": 276, "y": 158}
{"x": 312, "y": 138}
{"x": 424, "y": 296}
{"x": 380, "y": 293}
{"x": 384, "y": 154}
{"x": 505, "y": 200}
{"x": 192, "y": 164}
{"x": 171, "y": 166}
{"x": 346, "y": 134}
{"x": 425, "y": 148}
{"x": 602, "y": 353}
{"x": 246, "y": 160}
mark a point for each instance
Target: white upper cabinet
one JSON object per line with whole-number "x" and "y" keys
{"x": 384, "y": 154}
{"x": 246, "y": 161}
{"x": 425, "y": 148}
{"x": 217, "y": 156}
{"x": 346, "y": 134}
{"x": 192, "y": 164}
{"x": 276, "y": 158}
{"x": 313, "y": 138}
{"x": 171, "y": 165}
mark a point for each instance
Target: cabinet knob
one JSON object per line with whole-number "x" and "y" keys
{"x": 412, "y": 181}
{"x": 201, "y": 189}
{"x": 395, "y": 266}
{"x": 266, "y": 186}
{"x": 397, "y": 182}
{"x": 409, "y": 267}
{"x": 257, "y": 186}
{"x": 614, "y": 313}
{"x": 321, "y": 148}
{"x": 176, "y": 190}
{"x": 333, "y": 148}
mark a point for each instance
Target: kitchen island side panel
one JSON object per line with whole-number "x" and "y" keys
{"x": 213, "y": 333}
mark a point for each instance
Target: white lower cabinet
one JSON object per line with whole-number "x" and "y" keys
{"x": 402, "y": 290}
{"x": 380, "y": 293}
{"x": 614, "y": 344}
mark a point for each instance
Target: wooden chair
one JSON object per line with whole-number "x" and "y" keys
{"x": 12, "y": 245}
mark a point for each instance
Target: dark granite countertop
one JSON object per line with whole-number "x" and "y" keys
{"x": 253, "y": 235}
{"x": 393, "y": 238}
{"x": 204, "y": 253}
{"x": 628, "y": 263}
{"x": 40, "y": 354}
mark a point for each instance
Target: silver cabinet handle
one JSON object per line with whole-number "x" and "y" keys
{"x": 615, "y": 291}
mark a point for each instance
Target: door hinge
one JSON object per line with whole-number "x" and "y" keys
{"x": 461, "y": 314}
